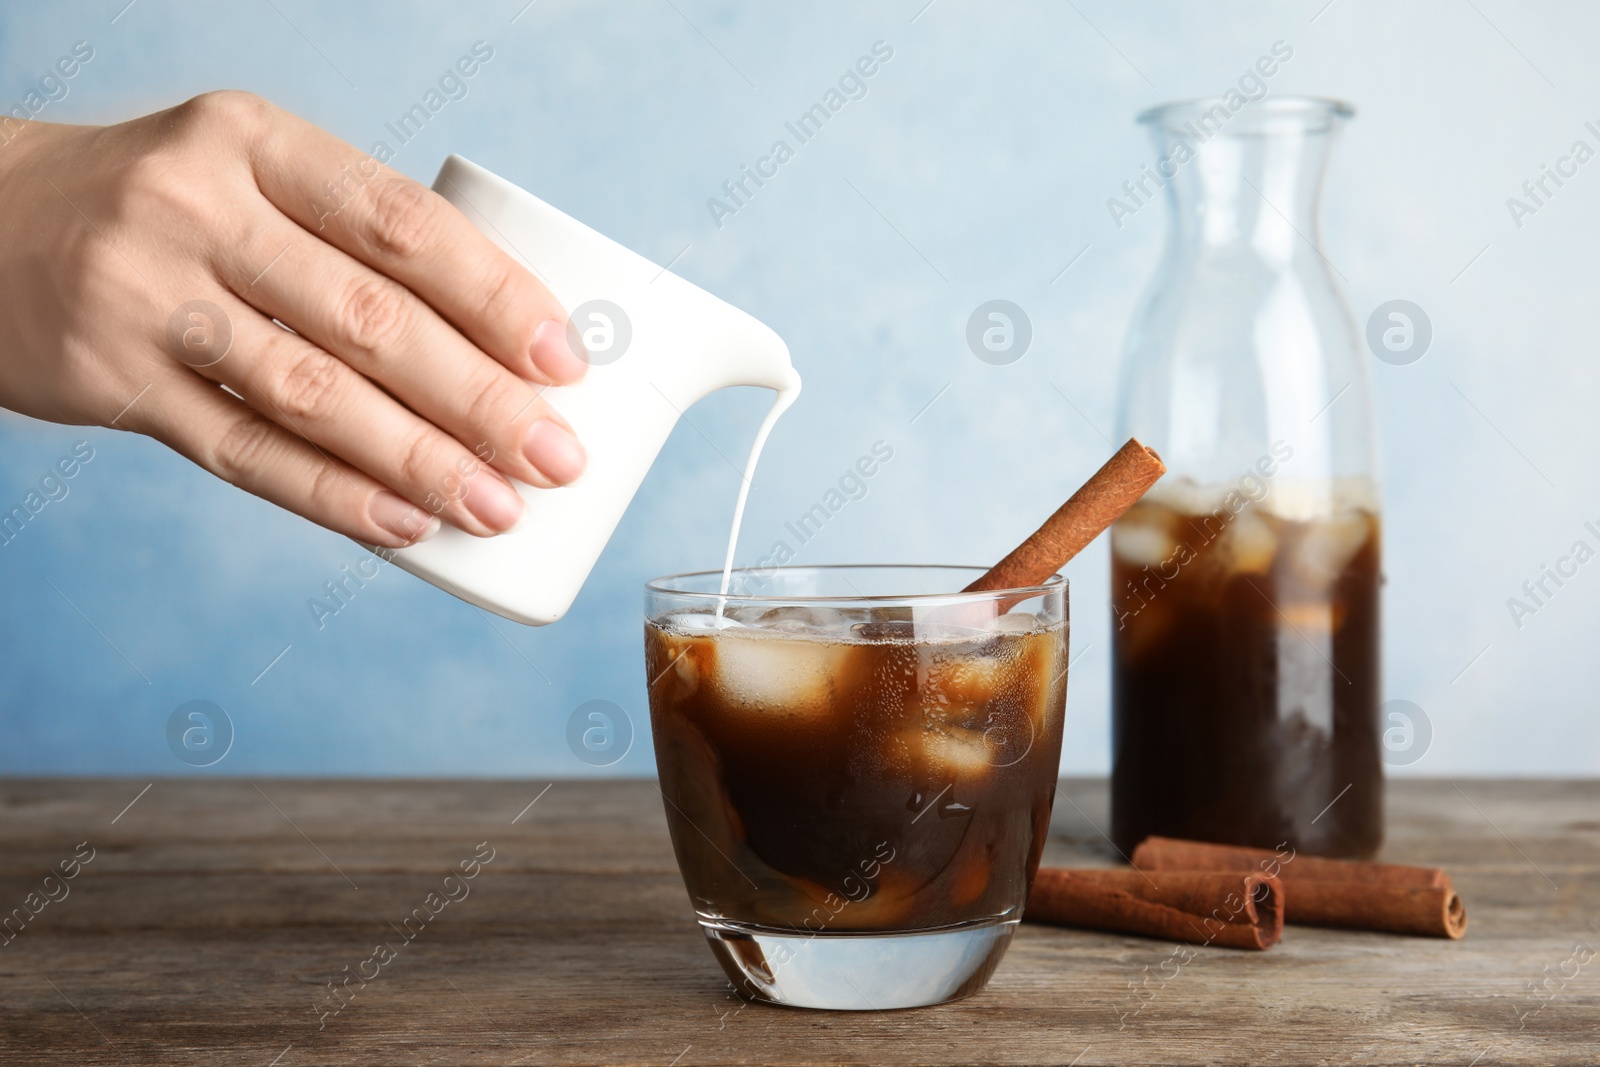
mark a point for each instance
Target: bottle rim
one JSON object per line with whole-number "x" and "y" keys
{"x": 1307, "y": 108}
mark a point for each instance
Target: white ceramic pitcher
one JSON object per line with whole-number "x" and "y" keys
{"x": 664, "y": 345}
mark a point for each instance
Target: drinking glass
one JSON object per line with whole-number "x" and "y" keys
{"x": 858, "y": 766}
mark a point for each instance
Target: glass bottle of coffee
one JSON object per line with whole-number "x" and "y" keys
{"x": 1245, "y": 678}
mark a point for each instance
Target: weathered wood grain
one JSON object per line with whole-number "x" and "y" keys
{"x": 216, "y": 912}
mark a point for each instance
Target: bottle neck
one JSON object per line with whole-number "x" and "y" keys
{"x": 1254, "y": 192}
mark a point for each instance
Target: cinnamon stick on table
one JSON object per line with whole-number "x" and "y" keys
{"x": 1098, "y": 503}
{"x": 1232, "y": 909}
{"x": 1327, "y": 892}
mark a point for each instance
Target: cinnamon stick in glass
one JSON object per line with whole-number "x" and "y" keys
{"x": 1228, "y": 908}
{"x": 1098, "y": 503}
{"x": 1327, "y": 892}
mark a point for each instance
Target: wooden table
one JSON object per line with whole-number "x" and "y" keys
{"x": 213, "y": 915}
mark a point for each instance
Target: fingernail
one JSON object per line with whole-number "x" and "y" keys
{"x": 404, "y": 521}
{"x": 552, "y": 448}
{"x": 557, "y": 351}
{"x": 493, "y": 501}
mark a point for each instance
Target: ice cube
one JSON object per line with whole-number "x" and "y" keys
{"x": 963, "y": 678}
{"x": 692, "y": 622}
{"x": 1143, "y": 537}
{"x": 804, "y": 619}
{"x": 954, "y": 620}
{"x": 940, "y": 718}
{"x": 1008, "y": 733}
{"x": 962, "y": 744}
{"x": 1319, "y": 617}
{"x": 1016, "y": 622}
{"x": 778, "y": 675}
{"x": 950, "y": 751}
{"x": 1328, "y": 545}
{"x": 742, "y": 614}
{"x": 1046, "y": 664}
{"x": 688, "y": 669}
{"x": 1250, "y": 543}
{"x": 680, "y": 664}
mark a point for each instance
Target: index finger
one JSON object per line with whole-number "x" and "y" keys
{"x": 412, "y": 234}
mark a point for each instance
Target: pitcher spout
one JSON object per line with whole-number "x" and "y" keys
{"x": 753, "y": 354}
{"x": 724, "y": 346}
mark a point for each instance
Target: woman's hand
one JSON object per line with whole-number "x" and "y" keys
{"x": 142, "y": 266}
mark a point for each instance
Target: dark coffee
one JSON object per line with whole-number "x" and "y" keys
{"x": 839, "y": 772}
{"x": 1245, "y": 678}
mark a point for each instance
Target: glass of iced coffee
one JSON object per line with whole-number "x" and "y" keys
{"x": 858, "y": 766}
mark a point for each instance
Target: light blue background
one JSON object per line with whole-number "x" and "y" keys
{"x": 989, "y": 144}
